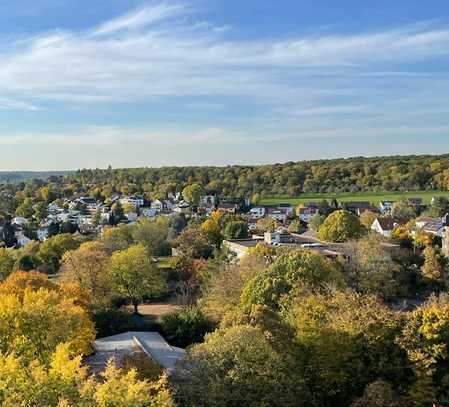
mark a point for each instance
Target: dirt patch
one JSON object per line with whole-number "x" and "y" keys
{"x": 157, "y": 310}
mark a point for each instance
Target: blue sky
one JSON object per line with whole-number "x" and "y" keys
{"x": 150, "y": 83}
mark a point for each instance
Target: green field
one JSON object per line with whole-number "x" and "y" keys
{"x": 373, "y": 197}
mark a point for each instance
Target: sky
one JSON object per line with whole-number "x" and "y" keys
{"x": 133, "y": 83}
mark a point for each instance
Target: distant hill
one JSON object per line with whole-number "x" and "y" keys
{"x": 18, "y": 176}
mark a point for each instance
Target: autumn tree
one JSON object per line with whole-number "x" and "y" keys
{"x": 340, "y": 226}
{"x": 432, "y": 269}
{"x": 88, "y": 266}
{"x": 367, "y": 218}
{"x": 371, "y": 268}
{"x": 212, "y": 230}
{"x": 60, "y": 320}
{"x": 134, "y": 275}
{"x": 425, "y": 338}
{"x": 267, "y": 224}
{"x": 349, "y": 340}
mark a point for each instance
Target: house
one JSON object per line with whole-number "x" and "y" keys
{"x": 42, "y": 233}
{"x": 239, "y": 247}
{"x": 384, "y": 225}
{"x": 158, "y": 205}
{"x": 358, "y": 207}
{"x": 252, "y": 224}
{"x": 287, "y": 208}
{"x": 277, "y": 214}
{"x": 19, "y": 221}
{"x": 89, "y": 202}
{"x": 417, "y": 204}
{"x": 257, "y": 212}
{"x": 137, "y": 201}
{"x": 148, "y": 212}
{"x": 181, "y": 207}
{"x": 22, "y": 240}
{"x": 207, "y": 201}
{"x": 386, "y": 206}
{"x": 423, "y": 220}
{"x": 279, "y": 236}
{"x": 307, "y": 212}
{"x": 228, "y": 207}
{"x": 150, "y": 344}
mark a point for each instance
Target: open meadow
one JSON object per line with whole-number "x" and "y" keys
{"x": 373, "y": 197}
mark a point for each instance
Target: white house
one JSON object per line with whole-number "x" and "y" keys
{"x": 136, "y": 201}
{"x": 384, "y": 226}
{"x": 257, "y": 212}
{"x": 148, "y": 212}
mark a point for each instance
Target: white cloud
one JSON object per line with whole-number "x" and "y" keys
{"x": 140, "y": 18}
{"x": 132, "y": 59}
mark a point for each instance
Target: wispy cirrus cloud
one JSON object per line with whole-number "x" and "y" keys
{"x": 140, "y": 18}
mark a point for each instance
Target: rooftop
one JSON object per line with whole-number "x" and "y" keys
{"x": 120, "y": 345}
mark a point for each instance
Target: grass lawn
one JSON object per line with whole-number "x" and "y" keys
{"x": 373, "y": 197}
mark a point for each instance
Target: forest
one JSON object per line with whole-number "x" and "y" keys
{"x": 397, "y": 173}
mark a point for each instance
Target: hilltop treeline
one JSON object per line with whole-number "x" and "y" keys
{"x": 292, "y": 178}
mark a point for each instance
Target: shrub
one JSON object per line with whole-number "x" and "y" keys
{"x": 186, "y": 327}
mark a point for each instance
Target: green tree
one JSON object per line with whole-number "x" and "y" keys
{"x": 238, "y": 367}
{"x": 51, "y": 251}
{"x": 287, "y": 272}
{"x": 25, "y": 209}
{"x": 237, "y": 229}
{"x": 134, "y": 275}
{"x": 186, "y": 327}
{"x": 403, "y": 210}
{"x": 153, "y": 234}
{"x": 267, "y": 225}
{"x": 7, "y": 261}
{"x": 40, "y": 211}
{"x": 340, "y": 226}
{"x": 192, "y": 193}
{"x": 316, "y": 221}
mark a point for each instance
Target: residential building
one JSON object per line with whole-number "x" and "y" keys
{"x": 307, "y": 212}
{"x": 384, "y": 225}
{"x": 257, "y": 212}
{"x": 150, "y": 344}
{"x": 278, "y": 214}
{"x": 386, "y": 206}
